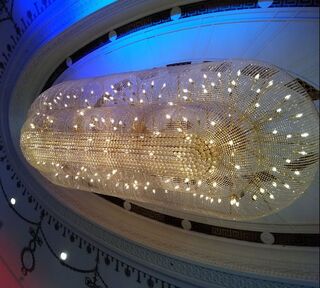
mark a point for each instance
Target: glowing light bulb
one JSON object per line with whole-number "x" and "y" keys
{"x": 63, "y": 256}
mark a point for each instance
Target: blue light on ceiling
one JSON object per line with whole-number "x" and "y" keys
{"x": 26, "y": 13}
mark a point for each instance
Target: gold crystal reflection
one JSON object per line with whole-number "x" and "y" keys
{"x": 235, "y": 140}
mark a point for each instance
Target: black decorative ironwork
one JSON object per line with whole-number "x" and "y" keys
{"x": 30, "y": 249}
{"x": 96, "y": 278}
{"x": 6, "y": 11}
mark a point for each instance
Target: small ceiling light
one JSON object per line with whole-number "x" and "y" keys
{"x": 63, "y": 256}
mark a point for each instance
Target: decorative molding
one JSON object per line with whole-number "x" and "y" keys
{"x": 39, "y": 239}
{"x": 293, "y": 239}
{"x": 19, "y": 26}
{"x": 187, "y": 10}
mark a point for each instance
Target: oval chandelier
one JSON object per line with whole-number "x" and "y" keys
{"x": 229, "y": 139}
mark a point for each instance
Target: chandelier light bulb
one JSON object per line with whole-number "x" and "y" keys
{"x": 213, "y": 153}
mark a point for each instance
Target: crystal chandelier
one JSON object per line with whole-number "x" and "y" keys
{"x": 230, "y": 139}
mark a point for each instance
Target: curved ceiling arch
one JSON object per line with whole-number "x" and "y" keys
{"x": 241, "y": 34}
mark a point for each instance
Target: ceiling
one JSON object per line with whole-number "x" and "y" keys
{"x": 161, "y": 252}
